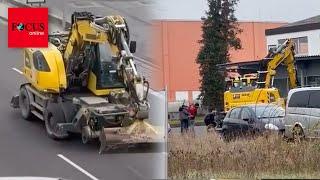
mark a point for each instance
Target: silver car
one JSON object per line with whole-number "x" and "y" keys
{"x": 302, "y": 118}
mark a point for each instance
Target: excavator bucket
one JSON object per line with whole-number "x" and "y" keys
{"x": 137, "y": 133}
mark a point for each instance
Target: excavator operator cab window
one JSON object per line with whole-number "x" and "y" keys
{"x": 253, "y": 82}
{"x": 244, "y": 82}
{"x": 236, "y": 84}
{"x": 40, "y": 62}
{"x": 105, "y": 68}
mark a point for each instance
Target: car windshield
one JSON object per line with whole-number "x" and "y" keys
{"x": 268, "y": 111}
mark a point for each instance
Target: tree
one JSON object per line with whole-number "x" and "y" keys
{"x": 220, "y": 30}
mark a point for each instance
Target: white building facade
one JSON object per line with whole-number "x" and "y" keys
{"x": 307, "y": 42}
{"x": 306, "y": 36}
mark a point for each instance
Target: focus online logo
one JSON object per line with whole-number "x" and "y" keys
{"x": 20, "y": 26}
{"x": 33, "y": 29}
{"x": 27, "y": 27}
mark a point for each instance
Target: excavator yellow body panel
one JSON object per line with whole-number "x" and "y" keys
{"x": 251, "y": 96}
{"x": 44, "y": 69}
{"x": 92, "y": 86}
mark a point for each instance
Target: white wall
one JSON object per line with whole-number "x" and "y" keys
{"x": 313, "y": 40}
{"x": 158, "y": 117}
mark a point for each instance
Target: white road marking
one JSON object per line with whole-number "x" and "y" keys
{"x": 17, "y": 70}
{"x": 136, "y": 172}
{"x": 77, "y": 167}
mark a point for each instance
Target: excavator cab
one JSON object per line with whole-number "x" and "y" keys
{"x": 104, "y": 75}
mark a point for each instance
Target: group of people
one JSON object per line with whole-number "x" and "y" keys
{"x": 187, "y": 115}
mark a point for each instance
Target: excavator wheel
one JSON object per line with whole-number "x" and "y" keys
{"x": 24, "y": 104}
{"x": 52, "y": 116}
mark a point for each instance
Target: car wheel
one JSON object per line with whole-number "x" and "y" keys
{"x": 297, "y": 134}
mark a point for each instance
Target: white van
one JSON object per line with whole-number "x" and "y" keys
{"x": 302, "y": 118}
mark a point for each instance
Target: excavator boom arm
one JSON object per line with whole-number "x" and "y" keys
{"x": 284, "y": 54}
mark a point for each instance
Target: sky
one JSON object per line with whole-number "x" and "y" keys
{"x": 247, "y": 10}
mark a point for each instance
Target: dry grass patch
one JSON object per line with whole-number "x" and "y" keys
{"x": 265, "y": 156}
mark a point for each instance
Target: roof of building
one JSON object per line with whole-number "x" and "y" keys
{"x": 308, "y": 24}
{"x": 256, "y": 62}
{"x": 311, "y": 20}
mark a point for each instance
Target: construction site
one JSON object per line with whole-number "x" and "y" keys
{"x": 139, "y": 89}
{"x": 269, "y": 123}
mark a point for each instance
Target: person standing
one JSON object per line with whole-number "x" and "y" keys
{"x": 184, "y": 118}
{"x": 192, "y": 110}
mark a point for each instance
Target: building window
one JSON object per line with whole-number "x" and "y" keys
{"x": 182, "y": 96}
{"x": 313, "y": 81}
{"x": 301, "y": 45}
{"x": 195, "y": 95}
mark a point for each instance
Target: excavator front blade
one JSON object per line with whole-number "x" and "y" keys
{"x": 138, "y": 132}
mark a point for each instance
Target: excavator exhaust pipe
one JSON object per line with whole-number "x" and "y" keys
{"x": 140, "y": 132}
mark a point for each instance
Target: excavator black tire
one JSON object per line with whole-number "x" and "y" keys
{"x": 24, "y": 104}
{"x": 52, "y": 116}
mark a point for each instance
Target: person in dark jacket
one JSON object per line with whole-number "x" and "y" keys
{"x": 184, "y": 118}
{"x": 209, "y": 118}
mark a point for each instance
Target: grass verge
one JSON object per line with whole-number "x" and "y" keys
{"x": 268, "y": 156}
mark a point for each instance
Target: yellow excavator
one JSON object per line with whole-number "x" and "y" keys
{"x": 264, "y": 91}
{"x": 86, "y": 82}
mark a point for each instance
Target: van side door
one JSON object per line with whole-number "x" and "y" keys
{"x": 298, "y": 110}
{"x": 314, "y": 118}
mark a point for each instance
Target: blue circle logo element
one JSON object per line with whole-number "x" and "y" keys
{"x": 20, "y": 26}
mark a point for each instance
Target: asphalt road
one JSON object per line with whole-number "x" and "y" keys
{"x": 137, "y": 13}
{"x": 25, "y": 149}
